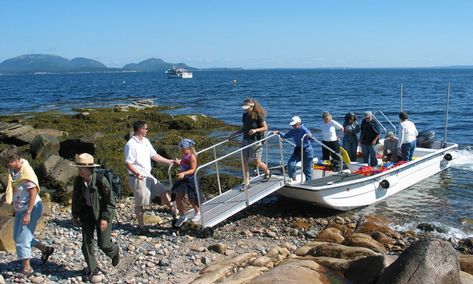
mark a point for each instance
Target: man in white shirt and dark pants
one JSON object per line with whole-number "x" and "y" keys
{"x": 407, "y": 137}
{"x": 138, "y": 155}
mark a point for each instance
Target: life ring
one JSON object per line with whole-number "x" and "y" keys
{"x": 448, "y": 157}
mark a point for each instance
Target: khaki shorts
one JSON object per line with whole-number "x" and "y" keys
{"x": 145, "y": 190}
{"x": 252, "y": 153}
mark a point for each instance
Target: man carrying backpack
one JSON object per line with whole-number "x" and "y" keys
{"x": 93, "y": 207}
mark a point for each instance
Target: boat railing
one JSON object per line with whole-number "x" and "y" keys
{"x": 233, "y": 153}
{"x": 387, "y": 120}
{"x": 324, "y": 146}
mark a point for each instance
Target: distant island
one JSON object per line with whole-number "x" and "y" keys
{"x": 45, "y": 63}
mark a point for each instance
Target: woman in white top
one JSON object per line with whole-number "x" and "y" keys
{"x": 407, "y": 137}
{"x": 329, "y": 136}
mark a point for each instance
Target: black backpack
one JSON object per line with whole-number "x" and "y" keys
{"x": 112, "y": 179}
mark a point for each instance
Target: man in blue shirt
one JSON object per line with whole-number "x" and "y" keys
{"x": 297, "y": 132}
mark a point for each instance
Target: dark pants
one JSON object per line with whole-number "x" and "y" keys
{"x": 407, "y": 150}
{"x": 326, "y": 154}
{"x": 104, "y": 241}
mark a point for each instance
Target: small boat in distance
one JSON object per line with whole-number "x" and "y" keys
{"x": 179, "y": 73}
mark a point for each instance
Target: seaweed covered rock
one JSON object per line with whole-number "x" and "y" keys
{"x": 198, "y": 121}
{"x": 209, "y": 184}
{"x": 44, "y": 146}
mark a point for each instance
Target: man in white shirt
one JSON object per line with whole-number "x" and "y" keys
{"x": 407, "y": 137}
{"x": 138, "y": 155}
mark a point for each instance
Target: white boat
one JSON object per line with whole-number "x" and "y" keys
{"x": 346, "y": 190}
{"x": 179, "y": 73}
{"x": 352, "y": 187}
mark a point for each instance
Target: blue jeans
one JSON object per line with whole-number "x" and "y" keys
{"x": 24, "y": 234}
{"x": 306, "y": 167}
{"x": 350, "y": 144}
{"x": 369, "y": 154}
{"x": 407, "y": 150}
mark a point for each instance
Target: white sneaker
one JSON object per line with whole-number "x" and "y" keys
{"x": 181, "y": 220}
{"x": 196, "y": 218}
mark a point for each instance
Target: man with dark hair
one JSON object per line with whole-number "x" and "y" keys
{"x": 369, "y": 137}
{"x": 407, "y": 137}
{"x": 138, "y": 155}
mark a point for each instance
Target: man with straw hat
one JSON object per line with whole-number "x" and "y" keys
{"x": 93, "y": 205}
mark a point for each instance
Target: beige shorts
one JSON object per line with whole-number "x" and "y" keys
{"x": 252, "y": 153}
{"x": 145, "y": 189}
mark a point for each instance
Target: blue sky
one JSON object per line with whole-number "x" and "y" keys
{"x": 244, "y": 33}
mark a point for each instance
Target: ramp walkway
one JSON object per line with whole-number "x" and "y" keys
{"x": 233, "y": 200}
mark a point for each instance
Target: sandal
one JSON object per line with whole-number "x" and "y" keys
{"x": 45, "y": 255}
{"x": 266, "y": 177}
{"x": 244, "y": 187}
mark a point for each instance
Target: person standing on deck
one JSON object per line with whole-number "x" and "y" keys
{"x": 407, "y": 137}
{"x": 330, "y": 138}
{"x": 297, "y": 132}
{"x": 350, "y": 140}
{"x": 369, "y": 137}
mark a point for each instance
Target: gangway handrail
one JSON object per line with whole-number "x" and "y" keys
{"x": 387, "y": 119}
{"x": 199, "y": 168}
{"x": 324, "y": 146}
{"x": 213, "y": 147}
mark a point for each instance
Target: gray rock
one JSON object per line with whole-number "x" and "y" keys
{"x": 164, "y": 262}
{"x": 44, "y": 146}
{"x": 425, "y": 261}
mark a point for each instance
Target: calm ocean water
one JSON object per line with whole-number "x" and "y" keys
{"x": 446, "y": 199}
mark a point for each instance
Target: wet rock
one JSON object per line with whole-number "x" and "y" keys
{"x": 219, "y": 248}
{"x": 339, "y": 251}
{"x": 369, "y": 227}
{"x": 466, "y": 263}
{"x": 331, "y": 235}
{"x": 363, "y": 240}
{"x": 425, "y": 261}
{"x": 263, "y": 261}
{"x": 367, "y": 269}
{"x": 245, "y": 275}
{"x": 426, "y": 227}
{"x": 298, "y": 271}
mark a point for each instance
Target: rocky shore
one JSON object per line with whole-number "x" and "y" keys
{"x": 260, "y": 245}
{"x": 273, "y": 241}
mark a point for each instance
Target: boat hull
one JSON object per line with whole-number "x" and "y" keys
{"x": 343, "y": 192}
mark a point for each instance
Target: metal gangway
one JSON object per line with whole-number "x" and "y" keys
{"x": 233, "y": 200}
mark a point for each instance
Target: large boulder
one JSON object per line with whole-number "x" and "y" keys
{"x": 58, "y": 171}
{"x": 69, "y": 148}
{"x": 44, "y": 146}
{"x": 340, "y": 251}
{"x": 6, "y": 234}
{"x": 364, "y": 240}
{"x": 425, "y": 261}
{"x": 367, "y": 270}
{"x": 331, "y": 235}
{"x": 17, "y": 134}
{"x": 466, "y": 263}
{"x": 299, "y": 271}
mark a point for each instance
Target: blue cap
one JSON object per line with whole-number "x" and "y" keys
{"x": 186, "y": 143}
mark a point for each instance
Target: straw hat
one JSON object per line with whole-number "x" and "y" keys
{"x": 85, "y": 160}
